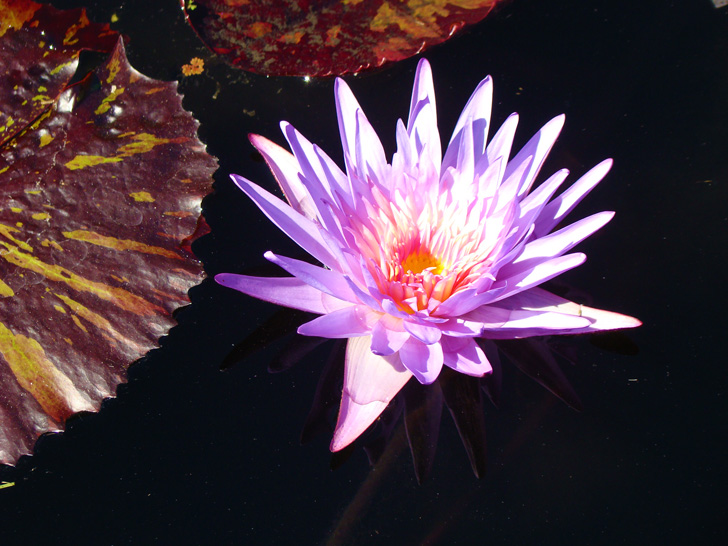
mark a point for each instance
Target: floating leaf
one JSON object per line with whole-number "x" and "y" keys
{"x": 303, "y": 38}
{"x": 100, "y": 191}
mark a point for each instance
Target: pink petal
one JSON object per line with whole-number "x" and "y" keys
{"x": 286, "y": 291}
{"x": 294, "y": 224}
{"x": 424, "y": 361}
{"x": 347, "y": 322}
{"x": 285, "y": 169}
{"x": 501, "y": 319}
{"x": 370, "y": 383}
{"x": 537, "y": 298}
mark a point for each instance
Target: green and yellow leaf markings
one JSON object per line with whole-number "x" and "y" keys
{"x": 119, "y": 244}
{"x": 119, "y": 297}
{"x": 100, "y": 189}
{"x": 142, "y": 143}
{"x": 54, "y": 391}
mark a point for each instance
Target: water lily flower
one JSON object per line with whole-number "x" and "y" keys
{"x": 425, "y": 254}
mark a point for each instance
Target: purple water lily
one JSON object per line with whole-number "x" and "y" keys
{"x": 425, "y": 254}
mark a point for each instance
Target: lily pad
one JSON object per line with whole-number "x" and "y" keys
{"x": 100, "y": 190}
{"x": 303, "y": 38}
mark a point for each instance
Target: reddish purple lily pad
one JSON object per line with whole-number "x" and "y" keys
{"x": 304, "y": 38}
{"x": 100, "y": 190}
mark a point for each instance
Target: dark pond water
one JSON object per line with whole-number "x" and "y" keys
{"x": 188, "y": 454}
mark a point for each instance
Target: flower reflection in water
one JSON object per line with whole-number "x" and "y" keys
{"x": 418, "y": 407}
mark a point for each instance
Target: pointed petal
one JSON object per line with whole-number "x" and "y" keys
{"x": 422, "y": 121}
{"x": 474, "y": 121}
{"x": 532, "y": 204}
{"x": 500, "y": 145}
{"x": 324, "y": 280}
{"x": 501, "y": 323}
{"x": 360, "y": 141}
{"x": 537, "y": 275}
{"x": 539, "y": 146}
{"x": 557, "y": 209}
{"x": 285, "y": 169}
{"x": 540, "y": 299}
{"x": 347, "y": 322}
{"x": 555, "y": 244}
{"x": 467, "y": 300}
{"x": 370, "y": 383}
{"x": 320, "y": 184}
{"x": 303, "y": 231}
{"x": 287, "y": 291}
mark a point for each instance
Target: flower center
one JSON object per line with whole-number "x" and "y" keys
{"x": 417, "y": 262}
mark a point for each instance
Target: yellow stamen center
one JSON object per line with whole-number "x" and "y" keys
{"x": 417, "y": 262}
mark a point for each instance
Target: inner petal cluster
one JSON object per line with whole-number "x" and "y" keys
{"x": 424, "y": 257}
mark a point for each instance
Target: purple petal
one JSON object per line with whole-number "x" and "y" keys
{"x": 312, "y": 160}
{"x": 461, "y": 328}
{"x": 555, "y": 244}
{"x": 388, "y": 336}
{"x": 323, "y": 191}
{"x": 473, "y": 126}
{"x": 424, "y": 361}
{"x": 467, "y": 300}
{"x": 357, "y": 134}
{"x": 370, "y": 159}
{"x": 347, "y": 322}
{"x": 537, "y": 275}
{"x": 465, "y": 356}
{"x": 425, "y": 333}
{"x": 286, "y": 291}
{"x": 500, "y": 146}
{"x": 539, "y": 146}
{"x": 422, "y": 121}
{"x": 532, "y": 205}
{"x": 325, "y": 280}
{"x": 370, "y": 383}
{"x": 557, "y": 209}
{"x": 294, "y": 224}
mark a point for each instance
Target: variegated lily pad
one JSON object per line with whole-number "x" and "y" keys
{"x": 303, "y": 38}
{"x": 100, "y": 191}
